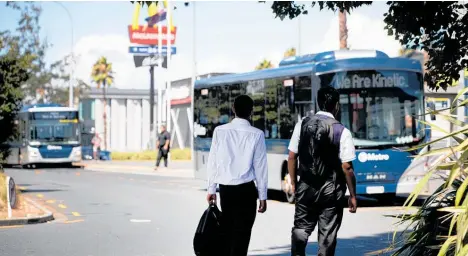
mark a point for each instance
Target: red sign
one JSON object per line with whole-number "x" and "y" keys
{"x": 181, "y": 101}
{"x": 149, "y": 36}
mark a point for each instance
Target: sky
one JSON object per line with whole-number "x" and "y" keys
{"x": 229, "y": 36}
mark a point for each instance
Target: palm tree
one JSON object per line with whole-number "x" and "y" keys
{"x": 290, "y": 52}
{"x": 265, "y": 64}
{"x": 343, "y": 30}
{"x": 103, "y": 75}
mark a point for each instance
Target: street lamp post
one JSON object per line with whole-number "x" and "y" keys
{"x": 194, "y": 75}
{"x": 72, "y": 67}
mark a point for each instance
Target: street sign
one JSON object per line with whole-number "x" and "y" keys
{"x": 144, "y": 61}
{"x": 150, "y": 50}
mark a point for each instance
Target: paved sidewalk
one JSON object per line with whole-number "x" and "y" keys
{"x": 27, "y": 212}
{"x": 181, "y": 169}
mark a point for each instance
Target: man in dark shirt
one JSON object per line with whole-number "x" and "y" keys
{"x": 164, "y": 138}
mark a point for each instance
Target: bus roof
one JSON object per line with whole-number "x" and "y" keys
{"x": 46, "y": 107}
{"x": 322, "y": 63}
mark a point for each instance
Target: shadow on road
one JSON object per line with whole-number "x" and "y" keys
{"x": 355, "y": 246}
{"x": 40, "y": 190}
{"x": 375, "y": 201}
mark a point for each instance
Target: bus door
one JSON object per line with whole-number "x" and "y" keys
{"x": 444, "y": 105}
{"x": 303, "y": 102}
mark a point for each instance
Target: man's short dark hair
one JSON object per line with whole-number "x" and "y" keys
{"x": 327, "y": 97}
{"x": 243, "y": 106}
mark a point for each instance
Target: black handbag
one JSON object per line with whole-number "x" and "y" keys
{"x": 207, "y": 239}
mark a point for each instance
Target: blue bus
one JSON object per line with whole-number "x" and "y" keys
{"x": 47, "y": 133}
{"x": 380, "y": 99}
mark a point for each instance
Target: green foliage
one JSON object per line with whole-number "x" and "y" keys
{"x": 176, "y": 154}
{"x": 265, "y": 64}
{"x": 439, "y": 28}
{"x": 440, "y": 225}
{"x": 20, "y": 59}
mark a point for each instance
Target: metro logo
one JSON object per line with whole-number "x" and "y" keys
{"x": 364, "y": 157}
{"x": 373, "y": 81}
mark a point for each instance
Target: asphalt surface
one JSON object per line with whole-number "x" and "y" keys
{"x": 102, "y": 213}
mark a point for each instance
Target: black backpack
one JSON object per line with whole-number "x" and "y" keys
{"x": 318, "y": 154}
{"x": 207, "y": 239}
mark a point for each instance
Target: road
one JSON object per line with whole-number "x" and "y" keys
{"x": 103, "y": 213}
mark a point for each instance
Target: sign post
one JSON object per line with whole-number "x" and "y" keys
{"x": 168, "y": 76}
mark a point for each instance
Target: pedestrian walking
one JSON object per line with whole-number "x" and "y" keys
{"x": 238, "y": 158}
{"x": 325, "y": 150}
{"x": 96, "y": 141}
{"x": 164, "y": 139}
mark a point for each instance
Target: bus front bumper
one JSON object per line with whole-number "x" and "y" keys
{"x": 35, "y": 157}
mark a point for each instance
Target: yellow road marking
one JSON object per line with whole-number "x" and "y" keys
{"x": 22, "y": 188}
{"x": 50, "y": 201}
{"x": 62, "y": 206}
{"x": 8, "y": 227}
{"x": 76, "y": 214}
{"x": 78, "y": 174}
{"x": 40, "y": 195}
{"x": 37, "y": 172}
{"x": 72, "y": 221}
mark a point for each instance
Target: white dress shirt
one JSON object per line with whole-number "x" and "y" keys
{"x": 347, "y": 150}
{"x": 237, "y": 156}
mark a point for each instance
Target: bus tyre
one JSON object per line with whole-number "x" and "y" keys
{"x": 286, "y": 186}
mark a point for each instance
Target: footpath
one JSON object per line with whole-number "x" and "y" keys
{"x": 181, "y": 169}
{"x": 27, "y": 211}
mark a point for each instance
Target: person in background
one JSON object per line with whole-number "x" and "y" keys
{"x": 326, "y": 150}
{"x": 237, "y": 158}
{"x": 96, "y": 141}
{"x": 164, "y": 139}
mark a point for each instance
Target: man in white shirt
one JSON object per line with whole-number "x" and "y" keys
{"x": 326, "y": 150}
{"x": 238, "y": 158}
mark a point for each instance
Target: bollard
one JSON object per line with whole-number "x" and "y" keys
{"x": 11, "y": 194}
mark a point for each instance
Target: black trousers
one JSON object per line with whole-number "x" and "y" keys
{"x": 321, "y": 205}
{"x": 162, "y": 154}
{"x": 239, "y": 209}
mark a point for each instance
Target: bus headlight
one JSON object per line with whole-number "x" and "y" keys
{"x": 411, "y": 178}
{"x": 33, "y": 152}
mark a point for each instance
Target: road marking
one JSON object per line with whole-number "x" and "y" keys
{"x": 40, "y": 195}
{"x": 139, "y": 221}
{"x": 78, "y": 174}
{"x": 76, "y": 214}
{"x": 37, "y": 172}
{"x": 62, "y": 206}
{"x": 50, "y": 201}
{"x": 72, "y": 221}
{"x": 15, "y": 226}
{"x": 22, "y": 188}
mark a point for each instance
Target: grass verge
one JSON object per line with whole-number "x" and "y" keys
{"x": 176, "y": 154}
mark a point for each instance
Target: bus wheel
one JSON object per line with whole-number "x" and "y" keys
{"x": 286, "y": 187}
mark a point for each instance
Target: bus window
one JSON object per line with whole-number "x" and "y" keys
{"x": 223, "y": 105}
{"x": 286, "y": 120}
{"x": 235, "y": 91}
{"x": 271, "y": 109}
{"x": 303, "y": 96}
{"x": 256, "y": 90}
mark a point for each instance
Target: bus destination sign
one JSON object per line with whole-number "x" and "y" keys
{"x": 55, "y": 115}
{"x": 366, "y": 80}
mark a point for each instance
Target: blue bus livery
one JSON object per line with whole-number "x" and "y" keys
{"x": 47, "y": 133}
{"x": 380, "y": 98}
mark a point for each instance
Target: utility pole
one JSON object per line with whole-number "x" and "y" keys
{"x": 192, "y": 92}
{"x": 151, "y": 102}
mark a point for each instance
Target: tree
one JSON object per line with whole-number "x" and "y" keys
{"x": 343, "y": 27}
{"x": 290, "y": 52}
{"x": 439, "y": 28}
{"x": 19, "y": 60}
{"x": 264, "y": 64}
{"x": 103, "y": 75}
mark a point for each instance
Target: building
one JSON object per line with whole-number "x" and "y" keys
{"x": 128, "y": 116}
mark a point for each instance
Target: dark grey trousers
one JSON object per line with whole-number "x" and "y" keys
{"x": 321, "y": 206}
